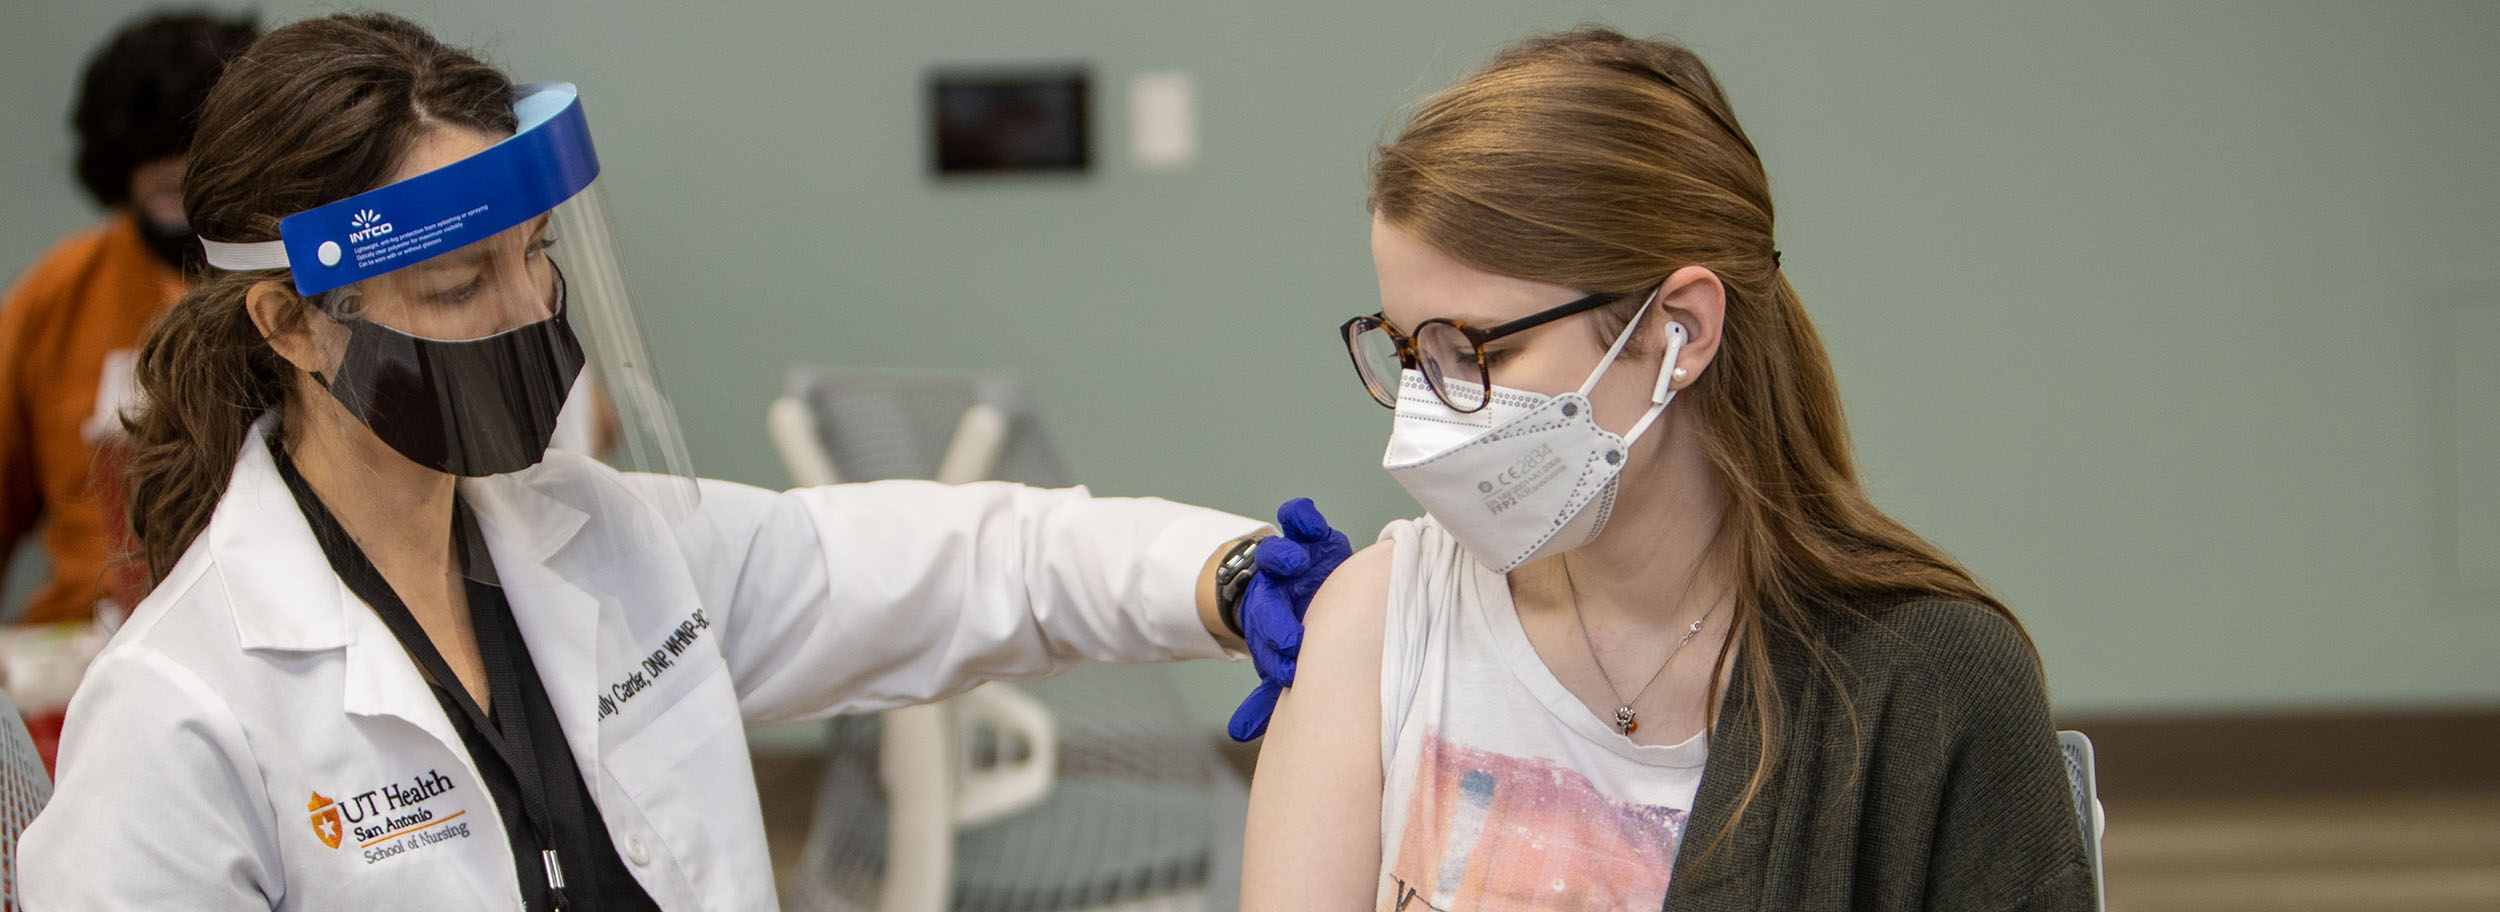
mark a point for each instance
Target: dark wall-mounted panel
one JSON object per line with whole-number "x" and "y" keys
{"x": 1011, "y": 121}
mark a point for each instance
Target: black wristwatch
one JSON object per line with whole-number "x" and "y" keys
{"x": 1232, "y": 579}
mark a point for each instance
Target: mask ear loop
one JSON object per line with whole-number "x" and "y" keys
{"x": 329, "y": 306}
{"x": 1616, "y": 350}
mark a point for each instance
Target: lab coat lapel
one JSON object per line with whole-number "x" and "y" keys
{"x": 295, "y": 603}
{"x": 559, "y": 618}
{"x": 380, "y": 680}
{"x": 561, "y": 624}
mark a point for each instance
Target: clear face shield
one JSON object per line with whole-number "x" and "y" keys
{"x": 475, "y": 316}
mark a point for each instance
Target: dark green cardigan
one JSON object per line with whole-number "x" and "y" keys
{"x": 1958, "y": 799}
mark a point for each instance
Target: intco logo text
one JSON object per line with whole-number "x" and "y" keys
{"x": 368, "y": 225}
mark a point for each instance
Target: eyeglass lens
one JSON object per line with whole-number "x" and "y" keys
{"x": 1376, "y": 359}
{"x": 1450, "y": 363}
{"x": 1444, "y": 354}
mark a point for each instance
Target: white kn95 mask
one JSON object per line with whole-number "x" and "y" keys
{"x": 1526, "y": 476}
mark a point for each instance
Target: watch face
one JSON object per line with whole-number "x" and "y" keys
{"x": 1232, "y": 574}
{"x": 1232, "y": 579}
{"x": 1237, "y": 561}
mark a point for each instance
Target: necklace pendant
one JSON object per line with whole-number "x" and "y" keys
{"x": 1625, "y": 720}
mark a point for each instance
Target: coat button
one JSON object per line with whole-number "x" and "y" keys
{"x": 636, "y": 851}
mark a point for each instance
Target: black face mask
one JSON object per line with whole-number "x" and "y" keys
{"x": 175, "y": 247}
{"x": 474, "y": 408}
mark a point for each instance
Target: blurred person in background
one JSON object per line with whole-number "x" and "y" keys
{"x": 70, "y": 328}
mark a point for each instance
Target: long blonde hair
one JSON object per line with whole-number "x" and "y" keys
{"x": 1599, "y": 162}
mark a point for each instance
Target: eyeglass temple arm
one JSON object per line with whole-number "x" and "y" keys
{"x": 1540, "y": 318}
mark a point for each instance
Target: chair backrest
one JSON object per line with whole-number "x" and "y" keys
{"x": 872, "y": 424}
{"x": 23, "y": 790}
{"x": 2087, "y": 794}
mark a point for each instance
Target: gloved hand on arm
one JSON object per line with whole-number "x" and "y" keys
{"x": 1291, "y": 568}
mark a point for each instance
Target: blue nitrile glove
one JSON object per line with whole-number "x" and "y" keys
{"x": 1291, "y": 567}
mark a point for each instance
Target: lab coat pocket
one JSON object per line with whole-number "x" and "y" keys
{"x": 688, "y": 775}
{"x": 674, "y": 732}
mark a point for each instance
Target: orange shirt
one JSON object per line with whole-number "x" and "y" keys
{"x": 69, "y": 332}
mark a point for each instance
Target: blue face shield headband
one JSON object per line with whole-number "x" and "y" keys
{"x": 486, "y": 401}
{"x": 546, "y": 161}
{"x": 490, "y": 332}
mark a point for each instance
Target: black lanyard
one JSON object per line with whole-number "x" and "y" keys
{"x": 511, "y": 742}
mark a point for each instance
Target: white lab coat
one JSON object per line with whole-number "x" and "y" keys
{"x": 253, "y": 687}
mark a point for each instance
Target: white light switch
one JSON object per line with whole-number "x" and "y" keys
{"x": 1163, "y": 125}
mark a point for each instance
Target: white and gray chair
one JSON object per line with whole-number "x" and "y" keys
{"x": 2087, "y": 795}
{"x": 23, "y": 790}
{"x": 1090, "y": 790}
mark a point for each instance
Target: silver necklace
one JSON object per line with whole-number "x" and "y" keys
{"x": 1627, "y": 721}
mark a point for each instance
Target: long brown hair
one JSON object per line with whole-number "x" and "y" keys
{"x": 1603, "y": 163}
{"x": 313, "y": 113}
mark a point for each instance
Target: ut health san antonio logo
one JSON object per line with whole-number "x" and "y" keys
{"x": 325, "y": 820}
{"x": 367, "y": 225}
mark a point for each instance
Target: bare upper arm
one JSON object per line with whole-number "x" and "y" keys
{"x": 1314, "y": 832}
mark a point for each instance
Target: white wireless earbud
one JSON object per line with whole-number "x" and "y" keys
{"x": 1675, "y": 345}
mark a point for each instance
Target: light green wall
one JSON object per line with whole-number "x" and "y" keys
{"x": 2141, "y": 309}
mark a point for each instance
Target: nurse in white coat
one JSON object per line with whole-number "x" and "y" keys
{"x": 398, "y": 653}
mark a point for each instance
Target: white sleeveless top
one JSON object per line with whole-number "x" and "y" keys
{"x": 1502, "y": 791}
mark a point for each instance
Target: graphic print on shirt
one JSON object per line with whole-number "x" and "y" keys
{"x": 1489, "y": 832}
{"x": 117, "y": 396}
{"x": 396, "y": 818}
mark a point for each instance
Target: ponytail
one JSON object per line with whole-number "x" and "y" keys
{"x": 206, "y": 374}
